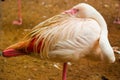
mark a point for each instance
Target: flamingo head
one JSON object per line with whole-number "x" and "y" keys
{"x": 82, "y": 10}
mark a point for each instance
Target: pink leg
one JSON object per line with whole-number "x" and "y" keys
{"x": 64, "y": 71}
{"x": 19, "y": 21}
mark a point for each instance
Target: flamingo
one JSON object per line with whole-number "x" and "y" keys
{"x": 80, "y": 32}
{"x": 19, "y": 21}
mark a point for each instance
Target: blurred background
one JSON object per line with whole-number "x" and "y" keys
{"x": 35, "y": 11}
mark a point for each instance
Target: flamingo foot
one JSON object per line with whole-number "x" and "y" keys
{"x": 117, "y": 21}
{"x": 17, "y": 22}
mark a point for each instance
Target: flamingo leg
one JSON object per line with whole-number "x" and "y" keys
{"x": 64, "y": 74}
{"x": 19, "y": 21}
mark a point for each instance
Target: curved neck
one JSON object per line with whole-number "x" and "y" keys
{"x": 104, "y": 42}
{"x": 101, "y": 21}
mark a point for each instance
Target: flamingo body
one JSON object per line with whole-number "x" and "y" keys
{"x": 77, "y": 41}
{"x": 80, "y": 32}
{"x": 66, "y": 42}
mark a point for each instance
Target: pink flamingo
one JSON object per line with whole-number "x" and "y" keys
{"x": 19, "y": 21}
{"x": 80, "y": 32}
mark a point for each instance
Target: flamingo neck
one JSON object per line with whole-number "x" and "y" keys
{"x": 106, "y": 49}
{"x": 101, "y": 21}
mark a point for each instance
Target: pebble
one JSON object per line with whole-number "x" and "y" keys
{"x": 116, "y": 5}
{"x": 106, "y": 6}
{"x": 69, "y": 63}
{"x": 44, "y": 16}
{"x": 56, "y": 66}
{"x": 29, "y": 79}
{"x": 34, "y": 69}
{"x": 25, "y": 67}
{"x": 43, "y": 3}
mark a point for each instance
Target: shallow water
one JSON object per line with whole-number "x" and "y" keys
{"x": 29, "y": 68}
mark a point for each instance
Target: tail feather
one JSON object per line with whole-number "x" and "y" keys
{"x": 22, "y": 48}
{"x": 16, "y": 49}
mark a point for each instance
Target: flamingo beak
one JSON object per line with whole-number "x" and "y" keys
{"x": 71, "y": 11}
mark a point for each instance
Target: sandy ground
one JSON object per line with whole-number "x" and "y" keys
{"x": 33, "y": 12}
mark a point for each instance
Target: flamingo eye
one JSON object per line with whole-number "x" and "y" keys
{"x": 75, "y": 10}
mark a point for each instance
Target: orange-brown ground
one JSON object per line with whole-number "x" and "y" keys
{"x": 35, "y": 11}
